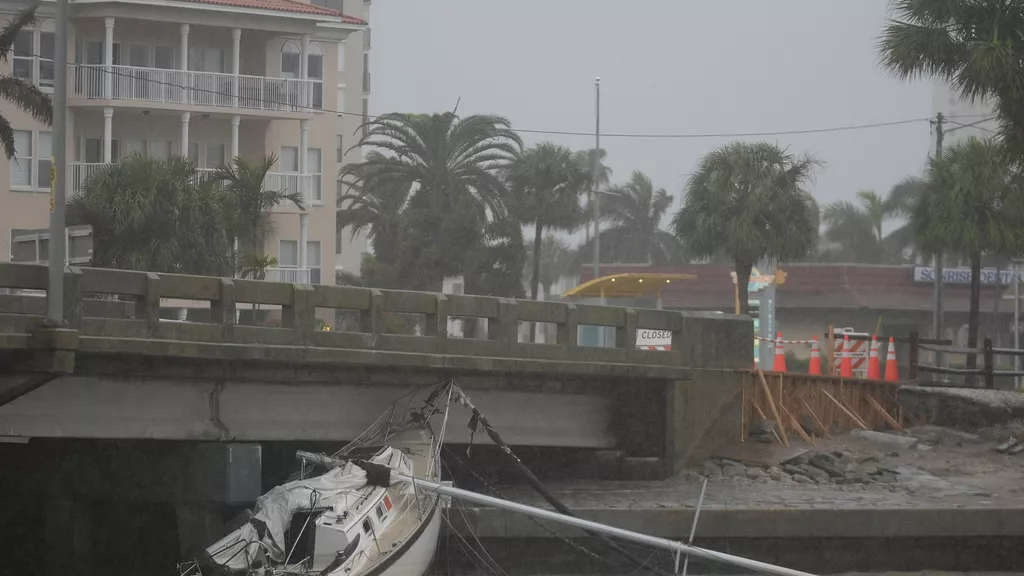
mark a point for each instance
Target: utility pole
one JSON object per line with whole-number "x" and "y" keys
{"x": 1016, "y": 320}
{"x": 597, "y": 194}
{"x": 937, "y": 304}
{"x": 594, "y": 175}
{"x": 58, "y": 187}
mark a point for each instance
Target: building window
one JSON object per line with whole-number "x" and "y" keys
{"x": 341, "y": 56}
{"x": 193, "y": 153}
{"x": 215, "y": 156}
{"x": 21, "y": 168}
{"x": 288, "y": 253}
{"x": 341, "y": 99}
{"x": 366, "y": 72}
{"x": 366, "y": 115}
{"x": 289, "y": 161}
{"x": 340, "y": 151}
{"x": 94, "y": 150}
{"x": 315, "y": 71}
{"x": 315, "y": 166}
{"x": 366, "y": 39}
{"x": 314, "y": 261}
{"x": 159, "y": 149}
{"x": 291, "y": 56}
{"x": 32, "y": 161}
{"x": 133, "y": 146}
{"x": 338, "y": 232}
{"x": 33, "y": 57}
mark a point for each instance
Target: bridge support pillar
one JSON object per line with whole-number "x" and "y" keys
{"x": 701, "y": 415}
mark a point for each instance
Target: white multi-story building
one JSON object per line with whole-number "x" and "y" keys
{"x": 210, "y": 80}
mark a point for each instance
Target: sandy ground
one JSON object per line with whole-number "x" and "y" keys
{"x": 946, "y": 469}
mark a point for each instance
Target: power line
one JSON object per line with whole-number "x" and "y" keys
{"x": 262, "y": 100}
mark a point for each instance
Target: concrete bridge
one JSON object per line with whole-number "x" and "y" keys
{"x": 125, "y": 372}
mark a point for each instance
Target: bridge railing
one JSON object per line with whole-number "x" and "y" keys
{"x": 90, "y": 293}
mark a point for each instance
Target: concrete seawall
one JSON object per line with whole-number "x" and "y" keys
{"x": 824, "y": 541}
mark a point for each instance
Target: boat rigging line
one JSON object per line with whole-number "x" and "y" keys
{"x": 479, "y": 419}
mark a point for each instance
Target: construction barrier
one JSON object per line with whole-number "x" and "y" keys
{"x": 857, "y": 358}
{"x": 814, "y": 407}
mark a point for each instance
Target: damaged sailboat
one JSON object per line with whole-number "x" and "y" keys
{"x": 360, "y": 517}
{"x": 375, "y": 508}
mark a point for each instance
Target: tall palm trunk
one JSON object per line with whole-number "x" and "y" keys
{"x": 535, "y": 282}
{"x": 742, "y": 280}
{"x": 974, "y": 314}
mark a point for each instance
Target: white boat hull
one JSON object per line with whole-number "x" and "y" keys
{"x": 415, "y": 561}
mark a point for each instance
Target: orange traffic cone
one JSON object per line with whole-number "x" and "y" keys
{"x": 874, "y": 368}
{"x": 780, "y": 356}
{"x": 814, "y": 369}
{"x": 891, "y": 371}
{"x": 846, "y": 364}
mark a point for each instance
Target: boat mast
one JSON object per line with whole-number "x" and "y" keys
{"x": 653, "y": 541}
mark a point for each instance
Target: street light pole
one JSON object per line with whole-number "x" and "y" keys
{"x": 594, "y": 175}
{"x": 58, "y": 188}
{"x": 597, "y": 195}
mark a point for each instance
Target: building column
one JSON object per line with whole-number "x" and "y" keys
{"x": 303, "y": 239}
{"x": 236, "y": 55}
{"x": 185, "y": 117}
{"x": 235, "y": 121}
{"x": 304, "y": 186}
{"x": 183, "y": 48}
{"x": 307, "y": 90}
{"x": 108, "y": 57}
{"x": 303, "y": 157}
{"x": 108, "y": 134}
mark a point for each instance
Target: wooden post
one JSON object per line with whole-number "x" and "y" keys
{"x": 914, "y": 358}
{"x": 774, "y": 410}
{"x": 831, "y": 339}
{"x": 990, "y": 381}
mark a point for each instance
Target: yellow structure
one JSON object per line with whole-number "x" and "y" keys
{"x": 627, "y": 285}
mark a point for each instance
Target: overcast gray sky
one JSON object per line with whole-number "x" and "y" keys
{"x": 666, "y": 66}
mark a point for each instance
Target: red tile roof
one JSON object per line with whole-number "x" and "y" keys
{"x": 833, "y": 286}
{"x": 283, "y": 6}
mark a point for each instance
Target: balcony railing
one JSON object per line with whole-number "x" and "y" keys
{"x": 80, "y": 172}
{"x": 292, "y": 182}
{"x": 193, "y": 88}
{"x": 286, "y": 275}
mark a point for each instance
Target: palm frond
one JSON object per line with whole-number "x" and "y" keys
{"x": 10, "y": 32}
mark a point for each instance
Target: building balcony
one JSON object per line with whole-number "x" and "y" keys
{"x": 78, "y": 175}
{"x": 286, "y": 275}
{"x": 190, "y": 89}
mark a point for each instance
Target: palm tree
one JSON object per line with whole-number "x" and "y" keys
{"x": 977, "y": 47}
{"x": 24, "y": 95}
{"x": 604, "y": 176}
{"x": 448, "y": 167}
{"x": 374, "y": 204}
{"x": 557, "y": 259}
{"x": 249, "y": 202}
{"x": 972, "y": 205}
{"x": 634, "y": 212}
{"x": 155, "y": 215}
{"x": 545, "y": 183}
{"x": 750, "y": 201}
{"x": 441, "y": 156}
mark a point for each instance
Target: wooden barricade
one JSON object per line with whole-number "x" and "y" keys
{"x": 809, "y": 407}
